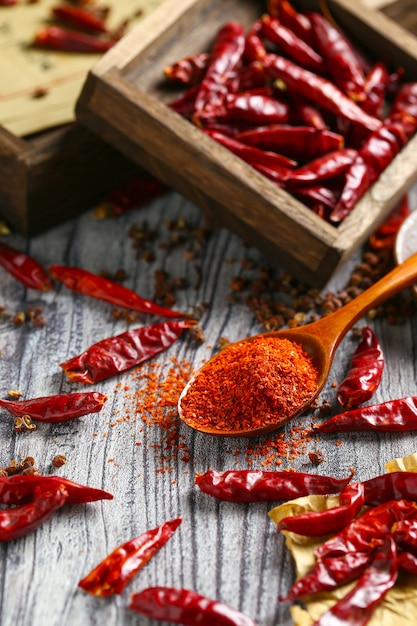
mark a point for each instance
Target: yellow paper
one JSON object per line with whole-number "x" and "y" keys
{"x": 25, "y": 70}
{"x": 399, "y": 607}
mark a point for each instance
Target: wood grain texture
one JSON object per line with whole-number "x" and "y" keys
{"x": 129, "y": 80}
{"x": 226, "y": 551}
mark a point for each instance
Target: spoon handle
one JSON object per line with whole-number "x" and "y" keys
{"x": 332, "y": 329}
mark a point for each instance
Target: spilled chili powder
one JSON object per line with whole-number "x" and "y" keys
{"x": 251, "y": 384}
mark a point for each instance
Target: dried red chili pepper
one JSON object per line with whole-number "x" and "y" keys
{"x": 391, "y": 486}
{"x": 290, "y": 44}
{"x": 365, "y": 371}
{"x": 22, "y": 488}
{"x": 328, "y": 574}
{"x": 317, "y": 523}
{"x": 95, "y": 286}
{"x": 134, "y": 194}
{"x": 120, "y": 566}
{"x": 378, "y": 151}
{"x": 340, "y": 59}
{"x": 185, "y": 104}
{"x": 24, "y": 268}
{"x": 330, "y": 165}
{"x": 183, "y": 606}
{"x": 384, "y": 236}
{"x": 254, "y": 46}
{"x": 225, "y": 55}
{"x": 299, "y": 23}
{"x": 407, "y": 562}
{"x": 117, "y": 354}
{"x": 316, "y": 194}
{"x": 358, "y": 605}
{"x": 405, "y": 534}
{"x": 258, "y": 106}
{"x": 59, "y": 38}
{"x": 393, "y": 416}
{"x": 18, "y": 521}
{"x": 376, "y": 83}
{"x": 260, "y": 486}
{"x": 296, "y": 142}
{"x": 189, "y": 70}
{"x": 58, "y": 408}
{"x": 80, "y": 18}
{"x": 319, "y": 90}
{"x": 253, "y": 155}
{"x": 306, "y": 114}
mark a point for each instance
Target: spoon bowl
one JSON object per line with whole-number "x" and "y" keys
{"x": 319, "y": 340}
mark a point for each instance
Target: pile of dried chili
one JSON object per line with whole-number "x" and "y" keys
{"x": 295, "y": 99}
{"x": 250, "y": 385}
{"x": 375, "y": 524}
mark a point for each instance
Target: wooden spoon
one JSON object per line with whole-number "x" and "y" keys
{"x": 319, "y": 340}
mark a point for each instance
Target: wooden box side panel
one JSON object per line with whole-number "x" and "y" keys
{"x": 13, "y": 180}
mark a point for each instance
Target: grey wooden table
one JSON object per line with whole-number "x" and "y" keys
{"x": 226, "y": 551}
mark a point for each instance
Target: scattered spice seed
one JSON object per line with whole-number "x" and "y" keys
{"x": 59, "y": 460}
{"x": 24, "y": 424}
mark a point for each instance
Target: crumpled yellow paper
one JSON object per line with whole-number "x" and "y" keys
{"x": 25, "y": 70}
{"x": 398, "y": 608}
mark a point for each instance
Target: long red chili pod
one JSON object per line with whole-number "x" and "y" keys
{"x": 24, "y": 268}
{"x": 225, "y": 55}
{"x": 121, "y": 352}
{"x": 328, "y": 574}
{"x": 21, "y": 488}
{"x": 79, "y": 18}
{"x": 59, "y": 38}
{"x": 120, "y": 566}
{"x": 319, "y": 90}
{"x": 18, "y": 521}
{"x": 392, "y": 416}
{"x": 365, "y": 371}
{"x": 183, "y": 606}
{"x": 330, "y": 165}
{"x": 58, "y": 408}
{"x": 340, "y": 59}
{"x": 376, "y": 83}
{"x": 95, "y": 286}
{"x": 251, "y": 154}
{"x": 299, "y": 23}
{"x": 358, "y": 605}
{"x": 390, "y": 486}
{"x": 296, "y": 142}
{"x": 261, "y": 486}
{"x": 291, "y": 45}
{"x": 379, "y": 150}
{"x": 317, "y": 523}
{"x": 258, "y": 106}
{"x": 319, "y": 193}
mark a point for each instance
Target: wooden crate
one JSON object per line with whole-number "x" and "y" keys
{"x": 124, "y": 102}
{"x": 49, "y": 178}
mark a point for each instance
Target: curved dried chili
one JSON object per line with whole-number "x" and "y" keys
{"x": 183, "y": 606}
{"x": 393, "y": 416}
{"x": 261, "y": 486}
{"x": 117, "y": 354}
{"x": 58, "y": 408}
{"x": 120, "y": 566}
{"x": 95, "y": 286}
{"x": 365, "y": 372}
{"x": 24, "y": 268}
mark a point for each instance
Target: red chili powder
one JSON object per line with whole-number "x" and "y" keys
{"x": 250, "y": 385}
{"x": 153, "y": 396}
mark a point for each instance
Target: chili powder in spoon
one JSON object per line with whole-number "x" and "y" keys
{"x": 250, "y": 384}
